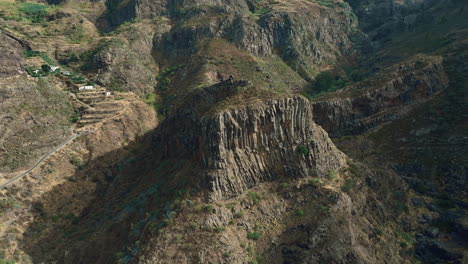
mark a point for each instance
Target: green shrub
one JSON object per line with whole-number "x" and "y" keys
{"x": 149, "y": 98}
{"x": 31, "y": 53}
{"x": 315, "y": 181}
{"x": 331, "y": 174}
{"x": 164, "y": 77}
{"x": 239, "y": 214}
{"x": 299, "y": 212}
{"x": 75, "y": 116}
{"x": 348, "y": 185}
{"x": 209, "y": 208}
{"x": 254, "y": 196}
{"x": 74, "y": 219}
{"x": 354, "y": 168}
{"x": 230, "y": 205}
{"x": 7, "y": 204}
{"x": 302, "y": 150}
{"x": 6, "y": 261}
{"x": 324, "y": 208}
{"x": 378, "y": 231}
{"x": 78, "y": 79}
{"x": 220, "y": 229}
{"x": 77, "y": 162}
{"x": 259, "y": 9}
{"x": 254, "y": 235}
{"x": 46, "y": 68}
{"x": 46, "y": 58}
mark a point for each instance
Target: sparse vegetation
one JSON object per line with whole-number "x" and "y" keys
{"x": 254, "y": 235}
{"x": 6, "y": 261}
{"x": 301, "y": 149}
{"x": 348, "y": 185}
{"x": 324, "y": 208}
{"x": 254, "y": 197}
{"x": 239, "y": 214}
{"x": 208, "y": 208}
{"x": 328, "y": 81}
{"x": 299, "y": 212}
{"x": 315, "y": 181}
{"x": 259, "y": 8}
{"x": 407, "y": 238}
{"x": 6, "y": 205}
{"x": 230, "y": 205}
{"x": 220, "y": 229}
{"x": 76, "y": 161}
{"x": 378, "y": 231}
{"x": 164, "y": 77}
{"x": 75, "y": 117}
{"x": 331, "y": 174}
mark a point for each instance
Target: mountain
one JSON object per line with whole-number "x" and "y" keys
{"x": 233, "y": 131}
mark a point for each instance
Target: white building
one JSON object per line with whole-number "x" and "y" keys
{"x": 66, "y": 73}
{"x": 54, "y": 68}
{"x": 36, "y": 71}
{"x": 108, "y": 93}
{"x": 86, "y": 88}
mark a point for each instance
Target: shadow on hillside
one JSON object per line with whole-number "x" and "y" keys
{"x": 133, "y": 193}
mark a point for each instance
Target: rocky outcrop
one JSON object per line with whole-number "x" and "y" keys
{"x": 381, "y": 18}
{"x": 125, "y": 63}
{"x": 304, "y": 34}
{"x": 383, "y": 98}
{"x": 299, "y": 33}
{"x": 241, "y": 147}
{"x": 11, "y": 56}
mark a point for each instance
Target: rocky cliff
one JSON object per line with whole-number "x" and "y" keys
{"x": 382, "y": 18}
{"x": 241, "y": 147}
{"x": 385, "y": 97}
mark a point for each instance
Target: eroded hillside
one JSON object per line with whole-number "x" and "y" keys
{"x": 240, "y": 131}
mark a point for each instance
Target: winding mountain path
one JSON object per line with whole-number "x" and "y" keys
{"x": 44, "y": 158}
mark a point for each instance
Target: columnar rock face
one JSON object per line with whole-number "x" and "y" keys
{"x": 241, "y": 147}
{"x": 356, "y": 112}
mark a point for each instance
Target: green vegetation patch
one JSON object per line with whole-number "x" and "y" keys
{"x": 260, "y": 8}
{"x": 255, "y": 197}
{"x": 254, "y": 235}
{"x": 348, "y": 185}
{"x": 303, "y": 150}
{"x": 164, "y": 77}
{"x": 299, "y": 212}
{"x": 34, "y": 12}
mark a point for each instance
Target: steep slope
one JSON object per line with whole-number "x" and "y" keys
{"x": 33, "y": 113}
{"x": 241, "y": 168}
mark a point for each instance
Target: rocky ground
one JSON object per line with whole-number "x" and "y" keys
{"x": 240, "y": 131}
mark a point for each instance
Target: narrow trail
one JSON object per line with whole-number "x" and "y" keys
{"x": 44, "y": 158}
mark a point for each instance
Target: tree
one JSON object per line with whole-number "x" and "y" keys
{"x": 46, "y": 68}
